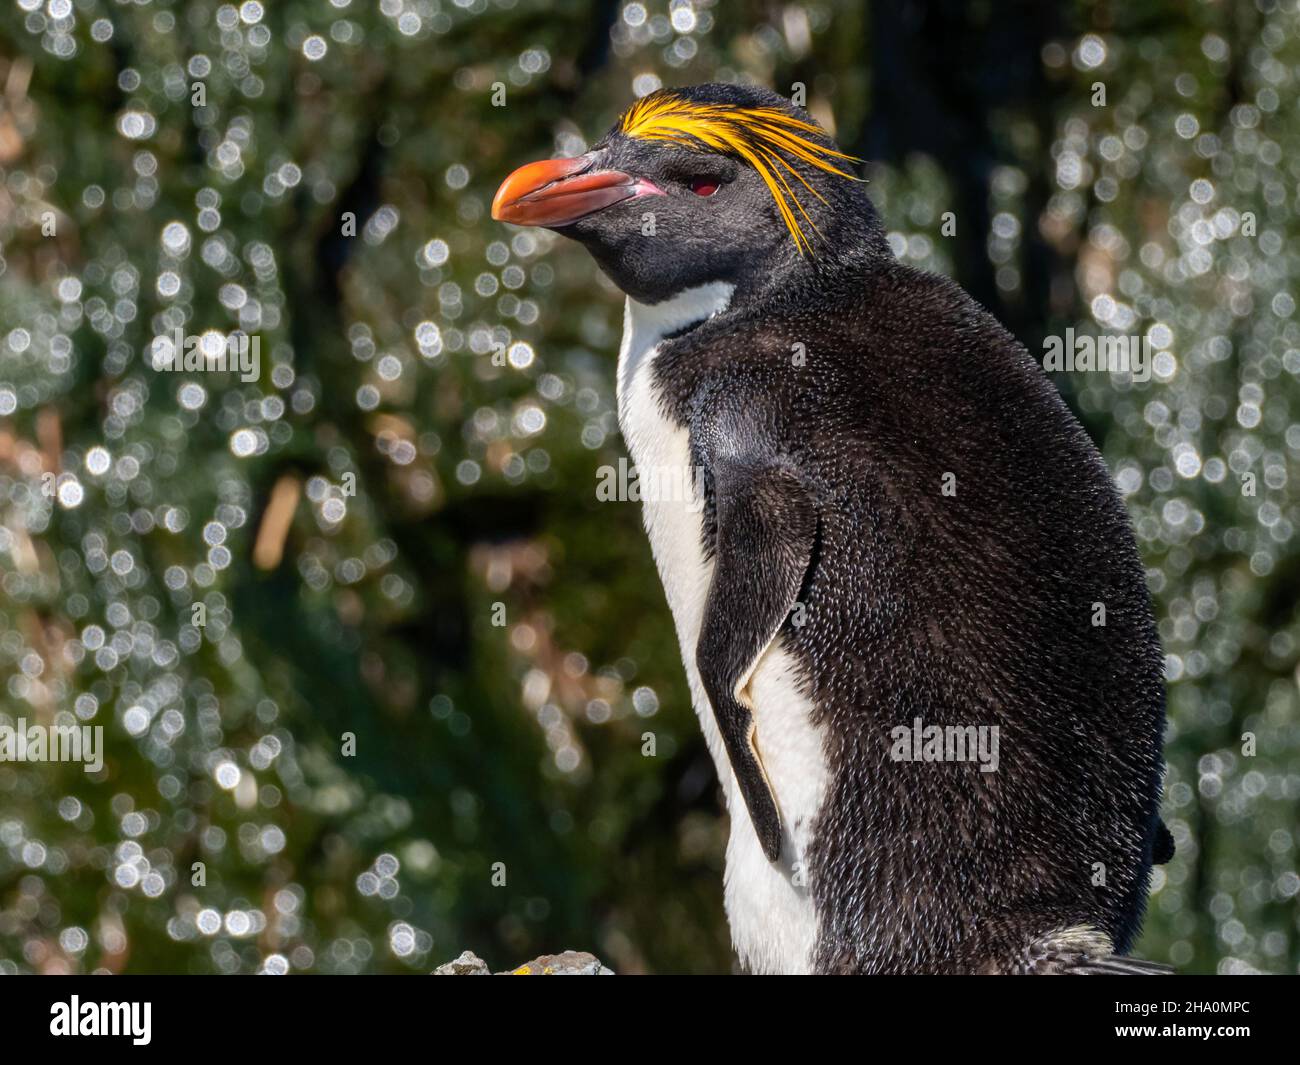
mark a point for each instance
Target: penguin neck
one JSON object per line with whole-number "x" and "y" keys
{"x": 801, "y": 281}
{"x": 646, "y": 325}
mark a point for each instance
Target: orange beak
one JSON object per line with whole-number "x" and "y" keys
{"x": 555, "y": 192}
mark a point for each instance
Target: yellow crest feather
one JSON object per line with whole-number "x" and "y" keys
{"x": 761, "y": 136}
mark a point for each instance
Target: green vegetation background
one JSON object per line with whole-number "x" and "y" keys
{"x": 358, "y": 521}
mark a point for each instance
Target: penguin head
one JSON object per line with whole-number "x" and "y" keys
{"x": 713, "y": 183}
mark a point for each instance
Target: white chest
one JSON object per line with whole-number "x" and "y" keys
{"x": 773, "y": 923}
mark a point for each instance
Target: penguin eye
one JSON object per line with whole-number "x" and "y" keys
{"x": 704, "y": 186}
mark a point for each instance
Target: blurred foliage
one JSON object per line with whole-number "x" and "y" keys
{"x": 394, "y": 532}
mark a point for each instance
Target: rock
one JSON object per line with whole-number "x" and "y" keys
{"x": 568, "y": 963}
{"x": 468, "y": 964}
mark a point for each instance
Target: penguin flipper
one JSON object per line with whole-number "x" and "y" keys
{"x": 766, "y": 526}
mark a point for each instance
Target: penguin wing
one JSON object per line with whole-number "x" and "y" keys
{"x": 766, "y": 527}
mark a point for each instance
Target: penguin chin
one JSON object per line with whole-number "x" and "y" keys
{"x": 635, "y": 265}
{"x": 652, "y": 269}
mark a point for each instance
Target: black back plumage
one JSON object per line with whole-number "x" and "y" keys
{"x": 975, "y": 608}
